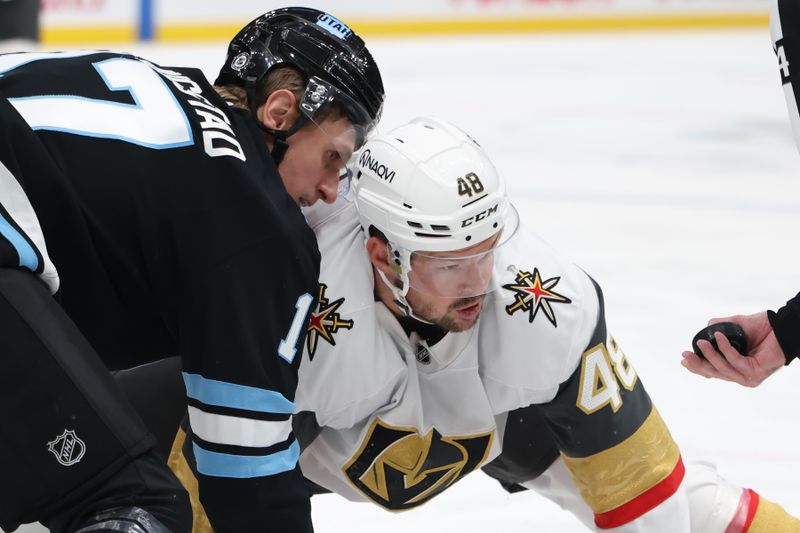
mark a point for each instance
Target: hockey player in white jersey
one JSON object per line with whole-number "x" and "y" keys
{"x": 447, "y": 338}
{"x": 460, "y": 340}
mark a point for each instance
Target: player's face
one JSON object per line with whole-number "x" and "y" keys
{"x": 315, "y": 159}
{"x": 448, "y": 288}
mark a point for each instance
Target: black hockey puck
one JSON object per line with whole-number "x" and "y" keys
{"x": 733, "y": 332}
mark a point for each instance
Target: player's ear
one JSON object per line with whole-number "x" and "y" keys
{"x": 279, "y": 111}
{"x": 378, "y": 252}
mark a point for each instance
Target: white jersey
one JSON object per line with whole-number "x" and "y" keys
{"x": 402, "y": 420}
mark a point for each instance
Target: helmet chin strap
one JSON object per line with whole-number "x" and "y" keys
{"x": 402, "y": 266}
{"x": 279, "y": 144}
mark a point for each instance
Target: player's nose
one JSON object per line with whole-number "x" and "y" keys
{"x": 328, "y": 187}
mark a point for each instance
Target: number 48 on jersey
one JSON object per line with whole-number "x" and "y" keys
{"x": 603, "y": 369}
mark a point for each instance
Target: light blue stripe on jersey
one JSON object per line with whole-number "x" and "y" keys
{"x": 245, "y": 466}
{"x": 223, "y": 394}
{"x": 27, "y": 256}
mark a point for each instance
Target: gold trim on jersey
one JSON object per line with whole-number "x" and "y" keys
{"x": 615, "y": 476}
{"x": 771, "y": 517}
{"x": 398, "y": 468}
{"x": 177, "y": 463}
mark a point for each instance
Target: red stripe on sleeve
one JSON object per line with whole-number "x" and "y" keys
{"x": 745, "y": 512}
{"x": 644, "y": 502}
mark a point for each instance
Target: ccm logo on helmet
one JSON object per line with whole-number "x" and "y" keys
{"x": 382, "y": 171}
{"x": 480, "y": 216}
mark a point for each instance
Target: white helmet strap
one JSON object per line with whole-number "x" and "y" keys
{"x": 399, "y": 293}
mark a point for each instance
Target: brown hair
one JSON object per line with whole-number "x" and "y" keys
{"x": 280, "y": 78}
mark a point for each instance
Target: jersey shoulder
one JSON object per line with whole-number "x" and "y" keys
{"x": 538, "y": 321}
{"x": 120, "y": 104}
{"x": 351, "y": 364}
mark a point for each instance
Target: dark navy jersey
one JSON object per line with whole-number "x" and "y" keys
{"x": 155, "y": 214}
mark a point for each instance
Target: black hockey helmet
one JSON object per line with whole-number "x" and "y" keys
{"x": 338, "y": 68}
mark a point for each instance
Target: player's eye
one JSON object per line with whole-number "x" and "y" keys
{"x": 452, "y": 267}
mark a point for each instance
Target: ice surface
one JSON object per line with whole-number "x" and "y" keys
{"x": 663, "y": 164}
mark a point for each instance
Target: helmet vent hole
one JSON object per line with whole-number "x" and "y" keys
{"x": 400, "y": 140}
{"x": 408, "y": 206}
{"x": 469, "y": 238}
{"x": 414, "y": 224}
{"x": 429, "y": 127}
{"x": 494, "y": 225}
{"x": 439, "y": 227}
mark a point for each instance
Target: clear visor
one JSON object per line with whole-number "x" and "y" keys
{"x": 468, "y": 274}
{"x": 344, "y": 121}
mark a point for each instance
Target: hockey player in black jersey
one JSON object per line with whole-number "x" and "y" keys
{"x": 145, "y": 213}
{"x": 773, "y": 337}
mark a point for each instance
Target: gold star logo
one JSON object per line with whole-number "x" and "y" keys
{"x": 324, "y": 322}
{"x": 532, "y": 294}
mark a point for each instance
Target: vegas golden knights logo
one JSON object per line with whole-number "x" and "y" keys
{"x": 398, "y": 468}
{"x": 324, "y": 322}
{"x": 531, "y": 294}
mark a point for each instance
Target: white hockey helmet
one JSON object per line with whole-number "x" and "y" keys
{"x": 429, "y": 187}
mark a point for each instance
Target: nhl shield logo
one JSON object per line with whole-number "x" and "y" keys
{"x": 67, "y": 447}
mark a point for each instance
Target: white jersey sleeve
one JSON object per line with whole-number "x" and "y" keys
{"x": 342, "y": 379}
{"x": 537, "y": 322}
{"x": 544, "y": 341}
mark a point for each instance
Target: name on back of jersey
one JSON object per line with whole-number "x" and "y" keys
{"x": 219, "y": 138}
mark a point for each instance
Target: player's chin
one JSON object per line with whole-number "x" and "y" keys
{"x": 456, "y": 325}
{"x": 464, "y": 317}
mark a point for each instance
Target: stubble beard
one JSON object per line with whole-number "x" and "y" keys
{"x": 450, "y": 321}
